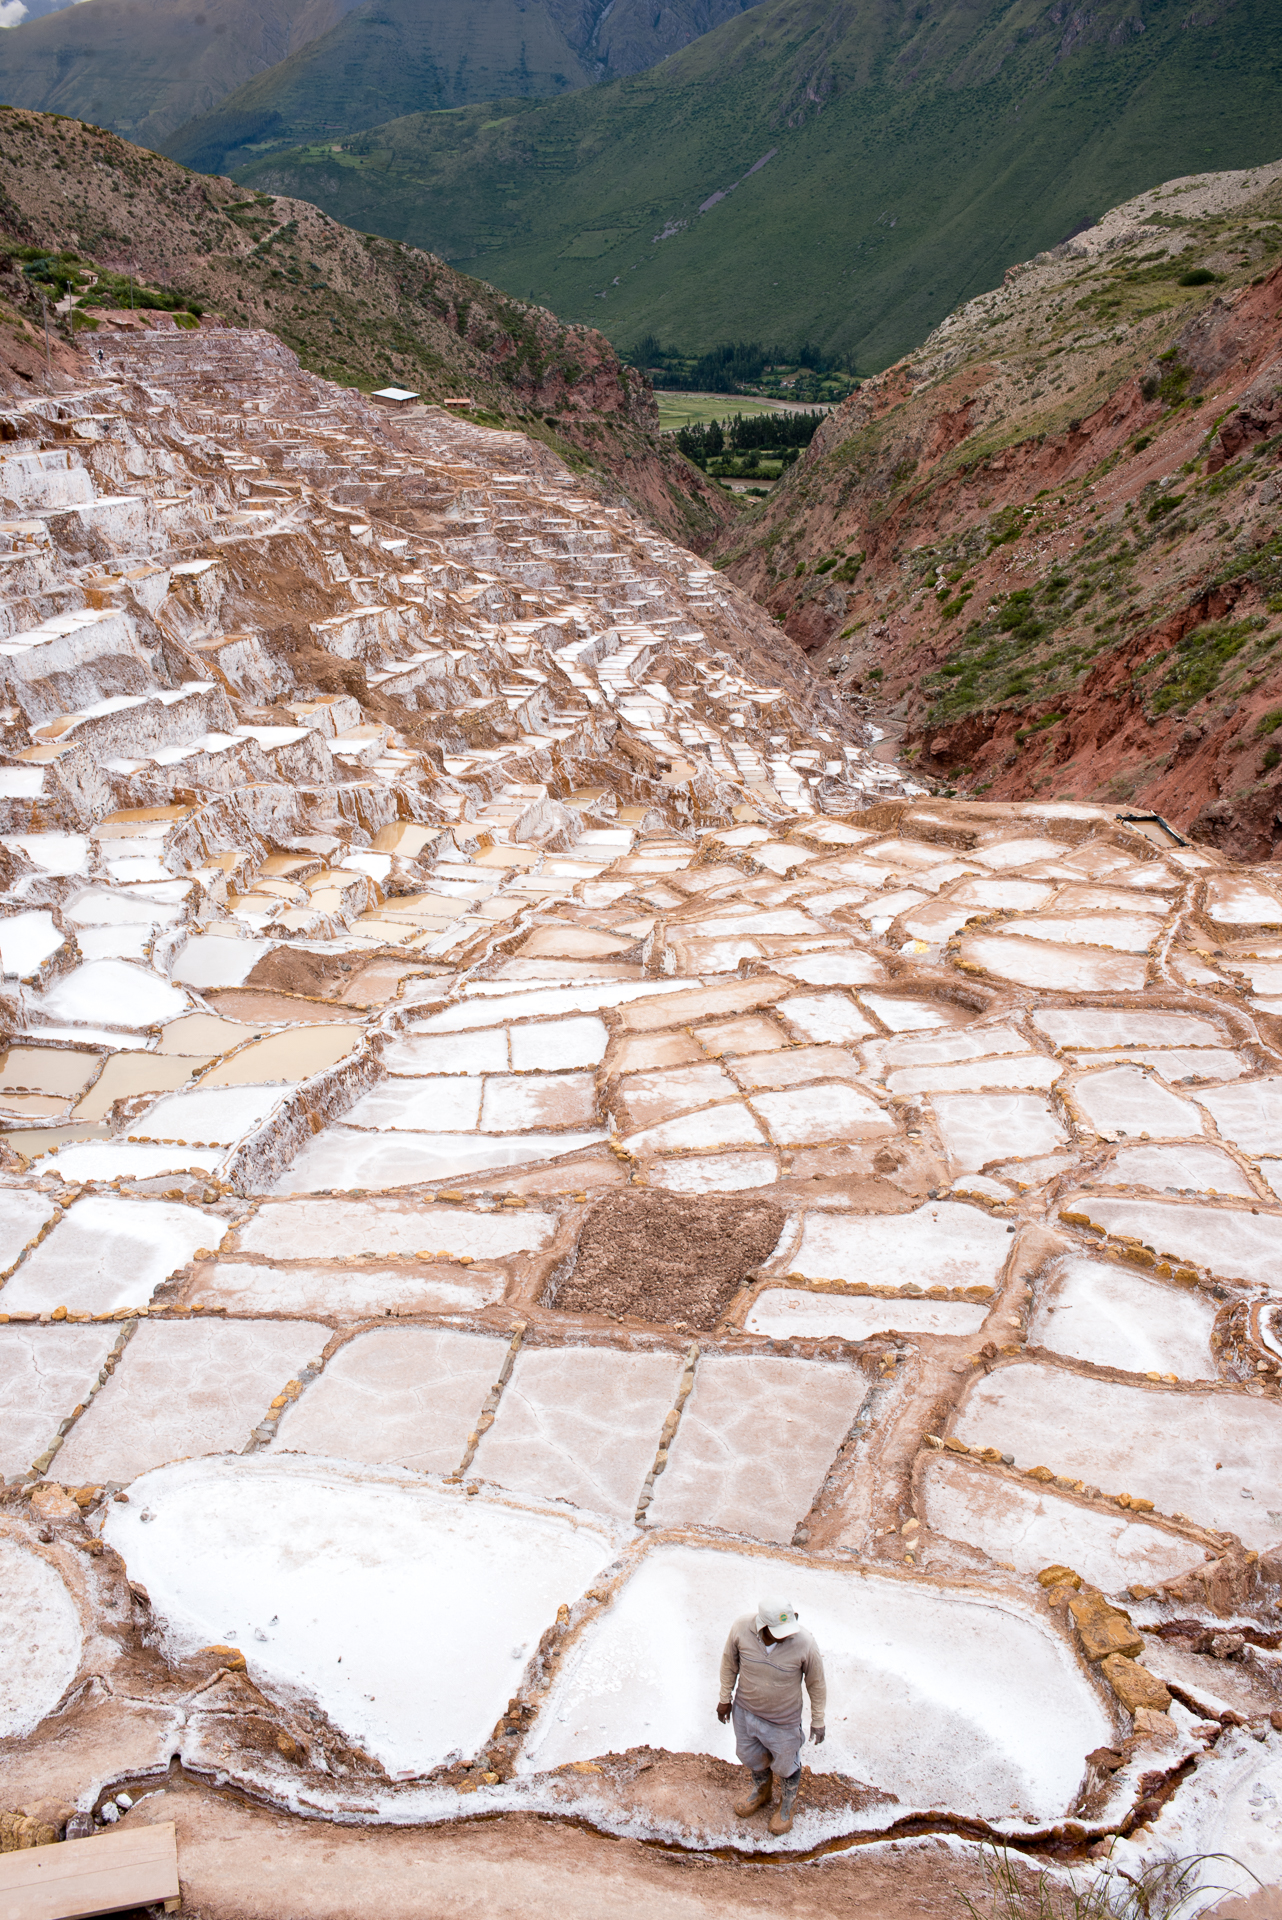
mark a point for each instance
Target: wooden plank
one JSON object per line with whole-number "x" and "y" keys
{"x": 132, "y": 1867}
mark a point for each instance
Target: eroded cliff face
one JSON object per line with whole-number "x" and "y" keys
{"x": 1044, "y": 550}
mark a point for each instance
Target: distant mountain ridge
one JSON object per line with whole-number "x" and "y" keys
{"x": 143, "y": 67}
{"x": 843, "y": 171}
{"x": 391, "y": 57}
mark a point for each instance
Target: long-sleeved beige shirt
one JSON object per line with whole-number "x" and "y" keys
{"x": 770, "y": 1677}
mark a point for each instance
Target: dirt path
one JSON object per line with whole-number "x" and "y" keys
{"x": 239, "y": 1862}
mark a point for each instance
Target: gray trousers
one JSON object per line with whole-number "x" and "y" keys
{"x": 765, "y": 1743}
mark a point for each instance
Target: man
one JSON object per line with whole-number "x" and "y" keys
{"x": 767, "y": 1656}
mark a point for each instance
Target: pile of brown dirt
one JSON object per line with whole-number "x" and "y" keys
{"x": 668, "y": 1257}
{"x": 318, "y": 975}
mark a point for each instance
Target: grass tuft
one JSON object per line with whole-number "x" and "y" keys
{"x": 1169, "y": 1887}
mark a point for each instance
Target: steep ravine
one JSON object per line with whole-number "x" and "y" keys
{"x": 1046, "y": 546}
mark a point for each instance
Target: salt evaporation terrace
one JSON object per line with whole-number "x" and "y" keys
{"x": 510, "y": 1109}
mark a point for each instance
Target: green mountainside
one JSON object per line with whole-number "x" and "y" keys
{"x": 391, "y": 57}
{"x": 143, "y": 67}
{"x": 843, "y": 173}
{"x": 76, "y": 201}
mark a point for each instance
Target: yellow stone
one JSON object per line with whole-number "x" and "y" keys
{"x": 1134, "y": 1685}
{"x": 1104, "y": 1629}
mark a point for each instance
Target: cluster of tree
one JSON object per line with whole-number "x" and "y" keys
{"x": 730, "y": 367}
{"x": 782, "y": 433}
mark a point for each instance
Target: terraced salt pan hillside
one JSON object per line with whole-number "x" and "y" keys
{"x": 510, "y": 1109}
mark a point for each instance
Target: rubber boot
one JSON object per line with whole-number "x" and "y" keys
{"x": 760, "y": 1796}
{"x": 781, "y": 1818}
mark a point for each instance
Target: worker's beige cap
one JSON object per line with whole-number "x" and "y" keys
{"x": 779, "y": 1615}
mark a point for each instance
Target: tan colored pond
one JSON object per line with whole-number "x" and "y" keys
{"x": 126, "y": 1074}
{"x": 51, "y": 1070}
{"x": 285, "y": 1056}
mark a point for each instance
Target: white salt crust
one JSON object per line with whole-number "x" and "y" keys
{"x": 22, "y": 1215}
{"x": 756, "y": 1438}
{"x": 44, "y": 1373}
{"x": 1161, "y": 1446}
{"x": 184, "y": 1388}
{"x": 40, "y": 1628}
{"x": 1111, "y": 1315}
{"x": 979, "y": 1128}
{"x": 580, "y": 1424}
{"x": 1029, "y": 1526}
{"x": 331, "y": 1567}
{"x": 788, "y": 1313}
{"x": 1230, "y": 1241}
{"x": 400, "y": 1396}
{"x": 940, "y": 1244}
{"x": 107, "y": 1252}
{"x": 918, "y": 1706}
{"x": 340, "y": 1229}
{"x": 347, "y": 1157}
{"x": 350, "y": 1293}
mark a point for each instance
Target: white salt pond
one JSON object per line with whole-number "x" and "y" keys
{"x": 1125, "y": 1101}
{"x": 979, "y": 1128}
{"x": 918, "y": 1705}
{"x": 960, "y": 1076}
{"x": 833, "y": 969}
{"x": 27, "y": 940}
{"x": 787, "y": 1313}
{"x": 1111, "y": 1315}
{"x": 22, "y": 1215}
{"x": 347, "y": 1157}
{"x": 107, "y": 1252}
{"x": 1129, "y": 932}
{"x": 1232, "y": 1813}
{"x": 1110, "y": 1027}
{"x": 113, "y": 993}
{"x": 61, "y": 853}
{"x": 1249, "y": 1114}
{"x": 1184, "y": 1169}
{"x": 757, "y": 1435}
{"x": 1028, "y": 1526}
{"x": 943, "y": 1243}
{"x": 339, "y": 1571}
{"x": 1215, "y": 1457}
{"x": 798, "y": 1066}
{"x": 907, "y": 1016}
{"x": 1231, "y": 1241}
{"x": 1061, "y": 969}
{"x": 44, "y": 1373}
{"x": 580, "y": 1424}
{"x": 728, "y": 1125}
{"x": 349, "y": 1293}
{"x": 653, "y": 1097}
{"x": 184, "y": 1388}
{"x": 825, "y": 1017}
{"x": 714, "y": 1172}
{"x": 941, "y": 1049}
{"x": 405, "y": 1396}
{"x": 804, "y": 1115}
{"x": 340, "y": 1229}
{"x": 213, "y": 1116}
{"x": 107, "y": 1160}
{"x": 41, "y": 1633}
